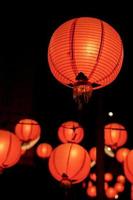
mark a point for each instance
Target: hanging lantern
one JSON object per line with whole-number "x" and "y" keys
{"x": 93, "y": 176}
{"x": 44, "y": 150}
{"x": 115, "y": 135}
{"x": 28, "y": 131}
{"x": 92, "y": 153}
{"x": 121, "y": 154}
{"x": 119, "y": 187}
{"x": 69, "y": 163}
{"x": 111, "y": 192}
{"x": 121, "y": 179}
{"x": 108, "y": 177}
{"x": 91, "y": 191}
{"x": 85, "y": 54}
{"x": 10, "y": 149}
{"x": 128, "y": 166}
{"x": 70, "y": 131}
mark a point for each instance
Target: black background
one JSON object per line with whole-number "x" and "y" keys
{"x": 28, "y": 89}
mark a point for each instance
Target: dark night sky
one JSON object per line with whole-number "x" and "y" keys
{"x": 28, "y": 89}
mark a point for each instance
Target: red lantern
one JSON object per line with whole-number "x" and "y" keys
{"x": 92, "y": 153}
{"x": 10, "y": 149}
{"x": 108, "y": 177}
{"x": 119, "y": 187}
{"x": 70, "y": 132}
{"x": 27, "y": 130}
{"x": 128, "y": 166}
{"x": 85, "y": 54}
{"x": 111, "y": 192}
{"x": 69, "y": 163}
{"x": 115, "y": 135}
{"x": 121, "y": 179}
{"x": 93, "y": 176}
{"x": 44, "y": 150}
{"x": 91, "y": 191}
{"x": 121, "y": 154}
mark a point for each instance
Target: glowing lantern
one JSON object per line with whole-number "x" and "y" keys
{"x": 106, "y": 186}
{"x": 27, "y": 129}
{"x": 69, "y": 163}
{"x": 121, "y": 179}
{"x": 85, "y": 54}
{"x": 93, "y": 176}
{"x": 44, "y": 150}
{"x": 108, "y": 177}
{"x": 70, "y": 132}
{"x": 92, "y": 153}
{"x": 119, "y": 187}
{"x": 128, "y": 166}
{"x": 111, "y": 192}
{"x": 10, "y": 149}
{"x": 91, "y": 191}
{"x": 115, "y": 135}
{"x": 121, "y": 154}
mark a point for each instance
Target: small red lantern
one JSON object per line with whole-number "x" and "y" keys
{"x": 119, "y": 187}
{"x": 92, "y": 153}
{"x": 115, "y": 135}
{"x": 108, "y": 177}
{"x": 91, "y": 191}
{"x": 93, "y": 176}
{"x": 85, "y": 54}
{"x": 111, "y": 192}
{"x": 27, "y": 130}
{"x": 44, "y": 150}
{"x": 69, "y": 163}
{"x": 121, "y": 154}
{"x": 70, "y": 132}
{"x": 121, "y": 179}
{"x": 10, "y": 149}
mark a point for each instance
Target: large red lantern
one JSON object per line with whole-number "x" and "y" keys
{"x": 121, "y": 154}
{"x": 69, "y": 163}
{"x": 128, "y": 169}
{"x": 115, "y": 135}
{"x": 70, "y": 131}
{"x": 44, "y": 150}
{"x": 10, "y": 149}
{"x": 85, "y": 54}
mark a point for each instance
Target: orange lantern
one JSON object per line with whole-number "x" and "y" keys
{"x": 115, "y": 135}
{"x": 121, "y": 179}
{"x": 70, "y": 132}
{"x": 108, "y": 177}
{"x": 91, "y": 191}
{"x": 128, "y": 166}
{"x": 69, "y": 163}
{"x": 92, "y": 153}
{"x": 110, "y": 192}
{"x": 44, "y": 150}
{"x": 10, "y": 149}
{"x": 119, "y": 187}
{"x": 121, "y": 154}
{"x": 93, "y": 176}
{"x": 85, "y": 54}
{"x": 27, "y": 130}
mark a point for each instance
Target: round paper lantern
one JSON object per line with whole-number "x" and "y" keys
{"x": 119, "y": 187}
{"x": 92, "y": 153}
{"x": 27, "y": 130}
{"x": 115, "y": 135}
{"x": 108, "y": 177}
{"x": 121, "y": 179}
{"x": 85, "y": 54}
{"x": 44, "y": 150}
{"x": 110, "y": 192}
{"x": 91, "y": 191}
{"x": 121, "y": 154}
{"x": 69, "y": 163}
{"x": 10, "y": 149}
{"x": 70, "y": 131}
{"x": 128, "y": 166}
